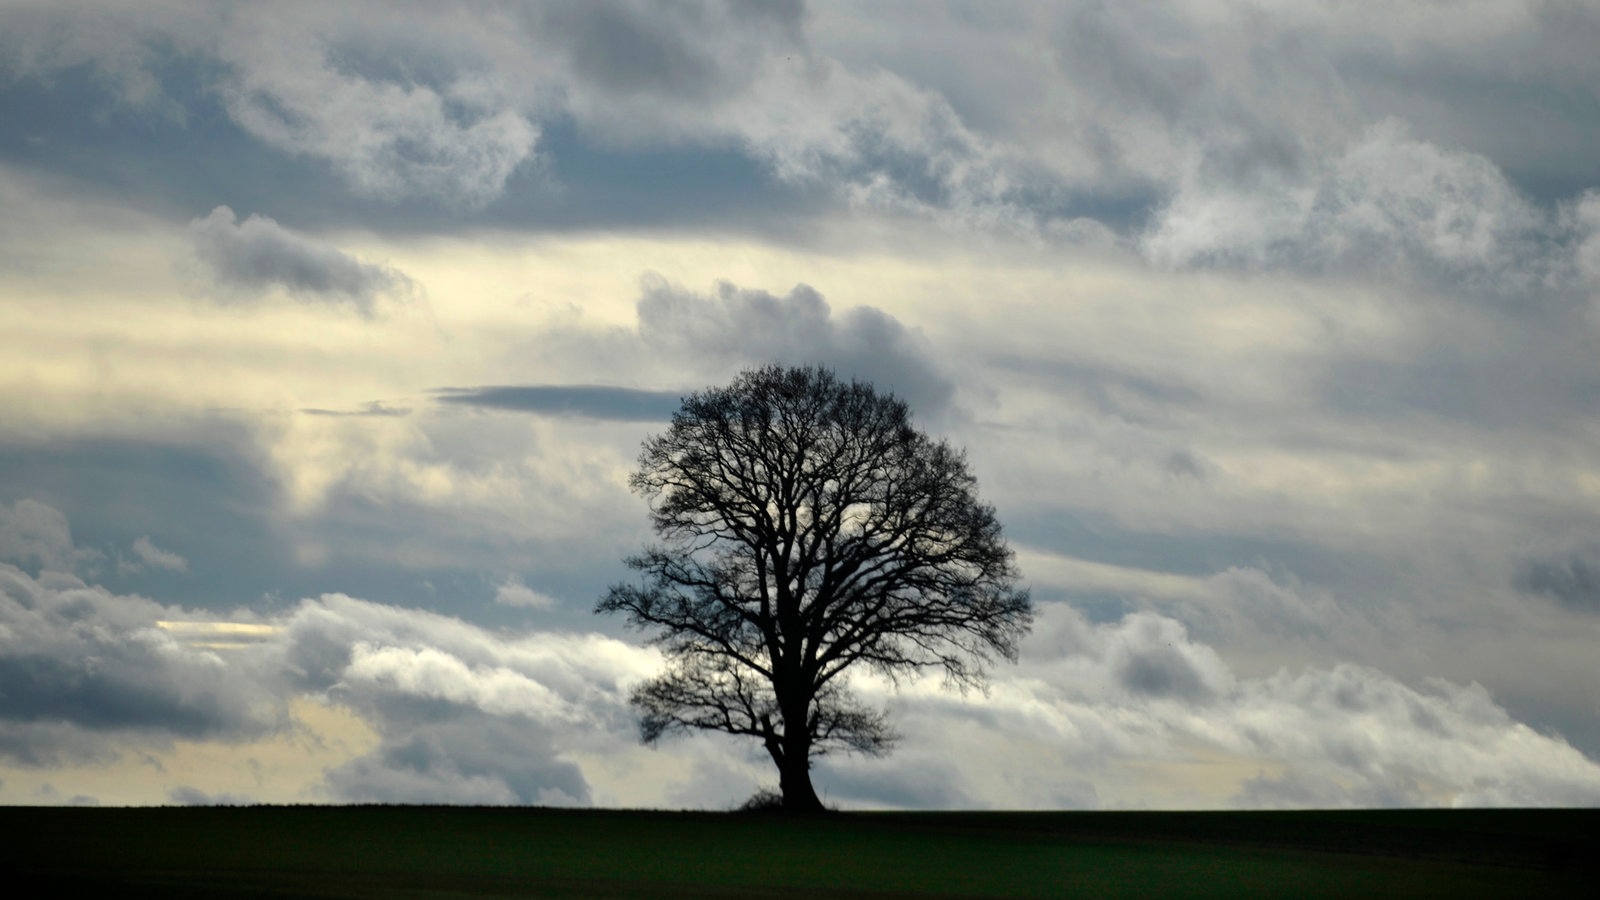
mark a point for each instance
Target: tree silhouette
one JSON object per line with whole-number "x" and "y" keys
{"x": 805, "y": 528}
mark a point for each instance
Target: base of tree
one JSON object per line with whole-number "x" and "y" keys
{"x": 769, "y": 802}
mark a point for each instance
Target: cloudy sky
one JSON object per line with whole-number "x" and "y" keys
{"x": 329, "y": 335}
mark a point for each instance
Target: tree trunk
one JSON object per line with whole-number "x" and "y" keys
{"x": 794, "y": 759}
{"x": 794, "y": 779}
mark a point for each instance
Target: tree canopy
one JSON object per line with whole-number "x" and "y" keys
{"x": 806, "y": 527}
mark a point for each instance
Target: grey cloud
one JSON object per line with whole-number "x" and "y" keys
{"x": 1229, "y": 112}
{"x": 1385, "y": 199}
{"x": 82, "y": 662}
{"x": 464, "y": 113}
{"x": 738, "y": 326}
{"x": 463, "y": 758}
{"x": 1573, "y": 581}
{"x": 1152, "y": 656}
{"x": 921, "y": 780}
{"x": 1183, "y": 463}
{"x": 33, "y": 532}
{"x": 464, "y": 715}
{"x": 1345, "y": 735}
{"x": 258, "y": 254}
{"x": 440, "y": 127}
{"x": 582, "y": 400}
{"x": 631, "y": 49}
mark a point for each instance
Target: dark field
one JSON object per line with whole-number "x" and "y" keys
{"x": 397, "y": 851}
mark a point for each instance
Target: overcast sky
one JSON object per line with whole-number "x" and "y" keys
{"x": 329, "y": 335}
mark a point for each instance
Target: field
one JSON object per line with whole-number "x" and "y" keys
{"x": 400, "y": 851}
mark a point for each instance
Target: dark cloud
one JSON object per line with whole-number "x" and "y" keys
{"x": 1573, "y": 581}
{"x": 258, "y": 254}
{"x": 735, "y": 327}
{"x": 81, "y": 661}
{"x": 583, "y": 400}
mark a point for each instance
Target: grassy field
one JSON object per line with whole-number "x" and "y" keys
{"x": 399, "y": 851}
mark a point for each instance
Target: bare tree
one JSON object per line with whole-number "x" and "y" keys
{"x": 806, "y": 527}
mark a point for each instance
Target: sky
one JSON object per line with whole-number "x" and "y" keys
{"x": 329, "y": 334}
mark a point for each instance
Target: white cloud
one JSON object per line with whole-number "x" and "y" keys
{"x": 1135, "y": 712}
{"x": 1387, "y": 199}
{"x": 1096, "y": 714}
{"x": 512, "y": 592}
{"x": 456, "y": 141}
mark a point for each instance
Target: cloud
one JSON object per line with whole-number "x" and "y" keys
{"x": 193, "y": 796}
{"x": 157, "y": 558}
{"x": 1095, "y": 714}
{"x": 1152, "y": 656}
{"x": 512, "y": 592}
{"x": 453, "y": 137}
{"x": 736, "y": 327}
{"x": 1573, "y": 582}
{"x": 465, "y": 715}
{"x": 32, "y": 532}
{"x": 84, "y": 668}
{"x": 1066, "y": 121}
{"x": 374, "y": 408}
{"x": 582, "y": 400}
{"x": 1387, "y": 200}
{"x": 258, "y": 254}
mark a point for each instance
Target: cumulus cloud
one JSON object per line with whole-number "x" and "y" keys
{"x": 84, "y": 667}
{"x": 1388, "y": 200}
{"x": 465, "y": 715}
{"x": 1095, "y": 708}
{"x": 1059, "y": 119}
{"x": 258, "y": 254}
{"x": 735, "y": 326}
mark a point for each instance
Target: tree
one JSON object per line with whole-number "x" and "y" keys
{"x": 807, "y": 528}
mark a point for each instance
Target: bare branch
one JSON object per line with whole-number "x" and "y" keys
{"x": 808, "y": 528}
